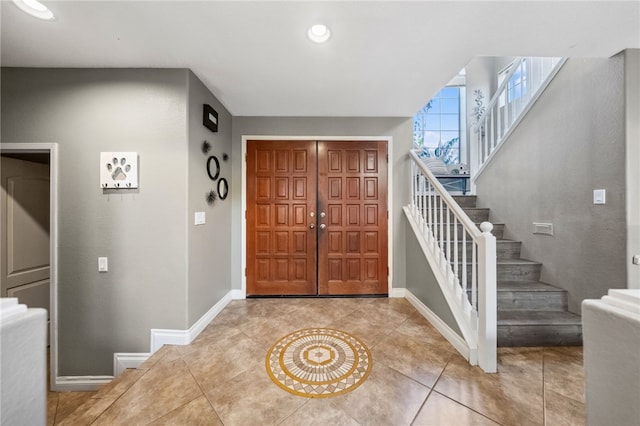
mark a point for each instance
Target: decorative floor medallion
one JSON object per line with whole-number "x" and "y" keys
{"x": 318, "y": 362}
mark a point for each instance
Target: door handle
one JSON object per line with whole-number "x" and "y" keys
{"x": 323, "y": 226}
{"x": 312, "y": 226}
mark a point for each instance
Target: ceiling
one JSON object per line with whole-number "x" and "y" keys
{"x": 385, "y": 58}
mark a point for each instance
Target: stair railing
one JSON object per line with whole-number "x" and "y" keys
{"x": 463, "y": 259}
{"x": 508, "y": 106}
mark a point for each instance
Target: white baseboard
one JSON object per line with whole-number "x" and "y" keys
{"x": 238, "y": 295}
{"x": 80, "y": 383}
{"x": 447, "y": 332}
{"x": 452, "y": 293}
{"x": 398, "y": 292}
{"x": 122, "y": 361}
{"x": 161, "y": 337}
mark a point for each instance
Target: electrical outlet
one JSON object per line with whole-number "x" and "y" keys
{"x": 636, "y": 259}
{"x": 599, "y": 196}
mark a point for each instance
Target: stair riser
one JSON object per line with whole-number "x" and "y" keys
{"x": 508, "y": 249}
{"x": 466, "y": 201}
{"x": 476, "y": 215}
{"x": 523, "y": 272}
{"x": 498, "y": 231}
{"x": 504, "y": 250}
{"x": 532, "y": 300}
{"x": 508, "y": 272}
{"x": 539, "y": 335}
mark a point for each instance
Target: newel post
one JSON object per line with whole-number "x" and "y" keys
{"x": 487, "y": 301}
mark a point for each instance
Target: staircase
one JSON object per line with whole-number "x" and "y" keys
{"x": 530, "y": 312}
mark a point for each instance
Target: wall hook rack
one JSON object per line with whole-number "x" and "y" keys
{"x": 118, "y": 170}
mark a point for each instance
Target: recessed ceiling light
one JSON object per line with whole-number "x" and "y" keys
{"x": 319, "y": 33}
{"x": 35, "y": 9}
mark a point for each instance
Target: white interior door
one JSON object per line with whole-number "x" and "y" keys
{"x": 24, "y": 227}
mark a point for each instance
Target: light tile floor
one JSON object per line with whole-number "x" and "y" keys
{"x": 418, "y": 378}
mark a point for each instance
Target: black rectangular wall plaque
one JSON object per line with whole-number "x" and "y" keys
{"x": 210, "y": 118}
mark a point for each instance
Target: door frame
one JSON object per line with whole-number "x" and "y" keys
{"x": 52, "y": 150}
{"x": 390, "y": 206}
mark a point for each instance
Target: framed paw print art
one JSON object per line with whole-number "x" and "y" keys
{"x": 118, "y": 170}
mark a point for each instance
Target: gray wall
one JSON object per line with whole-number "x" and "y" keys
{"x": 571, "y": 142}
{"x": 144, "y": 231}
{"x": 422, "y": 282}
{"x": 632, "y": 122}
{"x": 399, "y": 128}
{"x": 479, "y": 76}
{"x": 209, "y": 244}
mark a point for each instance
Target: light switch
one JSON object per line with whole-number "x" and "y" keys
{"x": 599, "y": 196}
{"x": 200, "y": 218}
{"x": 103, "y": 264}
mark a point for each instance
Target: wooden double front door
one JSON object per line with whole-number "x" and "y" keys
{"x": 316, "y": 218}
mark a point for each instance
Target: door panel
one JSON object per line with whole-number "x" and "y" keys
{"x": 352, "y": 193}
{"x": 24, "y": 206}
{"x": 281, "y": 194}
{"x": 316, "y": 218}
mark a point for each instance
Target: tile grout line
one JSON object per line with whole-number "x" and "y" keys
{"x": 470, "y": 408}
{"x": 55, "y": 415}
{"x": 119, "y": 396}
{"x": 544, "y": 388}
{"x": 431, "y": 389}
{"x": 201, "y": 390}
{"x": 557, "y": 391}
{"x": 292, "y": 413}
{"x": 348, "y": 414}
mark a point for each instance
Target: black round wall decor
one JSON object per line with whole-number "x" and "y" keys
{"x": 223, "y": 188}
{"x": 213, "y": 176}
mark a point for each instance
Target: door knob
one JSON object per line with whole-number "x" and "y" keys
{"x": 312, "y": 226}
{"x": 322, "y": 214}
{"x": 323, "y": 226}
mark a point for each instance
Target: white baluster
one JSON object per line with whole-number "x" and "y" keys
{"x": 456, "y": 247}
{"x": 465, "y": 280}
